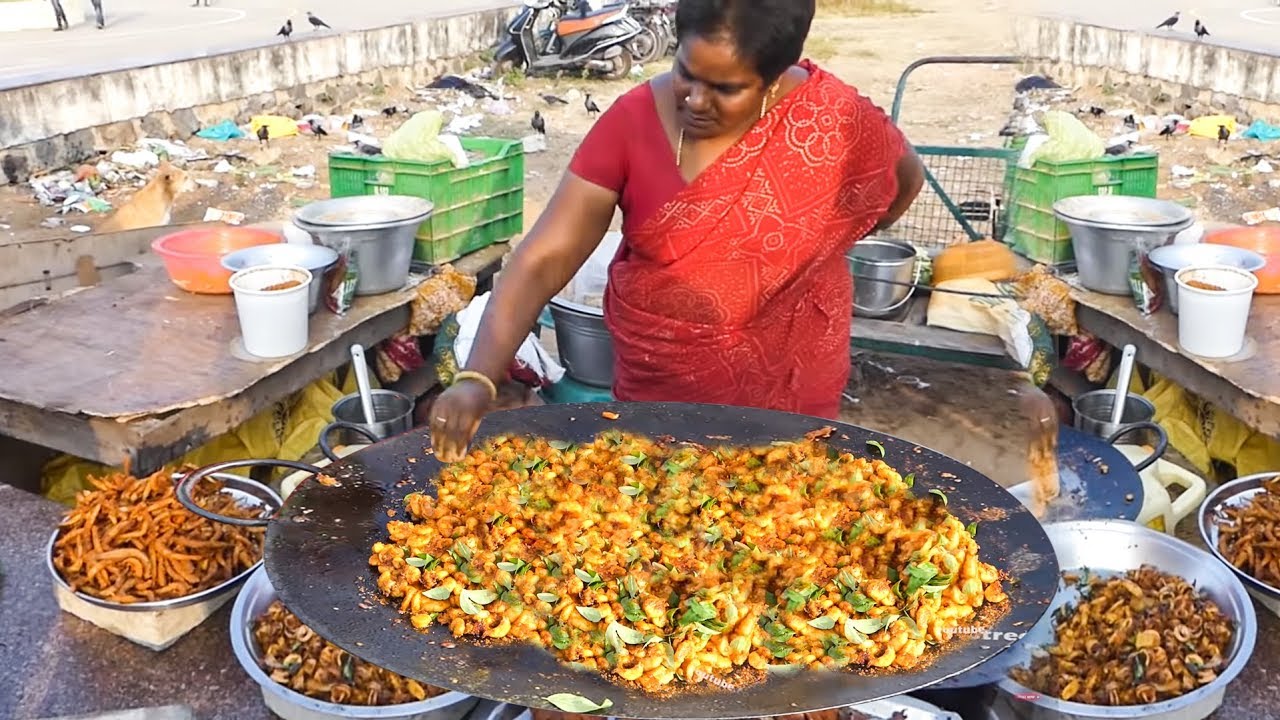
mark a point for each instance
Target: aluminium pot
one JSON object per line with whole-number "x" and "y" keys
{"x": 584, "y": 342}
{"x": 1107, "y": 231}
{"x": 376, "y": 232}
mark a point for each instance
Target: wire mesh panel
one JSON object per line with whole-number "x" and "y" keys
{"x": 963, "y": 198}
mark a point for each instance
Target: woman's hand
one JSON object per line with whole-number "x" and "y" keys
{"x": 455, "y": 417}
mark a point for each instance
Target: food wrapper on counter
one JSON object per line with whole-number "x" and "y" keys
{"x": 1089, "y": 355}
{"x": 1025, "y": 337}
{"x": 341, "y": 280}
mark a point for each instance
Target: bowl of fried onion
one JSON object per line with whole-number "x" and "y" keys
{"x": 305, "y": 677}
{"x": 1240, "y": 522}
{"x": 1143, "y": 626}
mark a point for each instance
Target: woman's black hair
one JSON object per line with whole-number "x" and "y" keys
{"x": 768, "y": 34}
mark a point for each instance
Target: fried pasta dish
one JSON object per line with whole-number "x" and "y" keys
{"x": 294, "y": 656}
{"x": 664, "y": 564}
{"x": 129, "y": 540}
{"x": 1133, "y": 639}
{"x": 1249, "y": 534}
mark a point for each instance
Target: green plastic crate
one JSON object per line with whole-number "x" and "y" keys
{"x": 1035, "y": 232}
{"x": 475, "y": 206}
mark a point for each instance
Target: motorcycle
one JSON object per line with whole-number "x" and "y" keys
{"x": 657, "y": 17}
{"x": 545, "y": 37}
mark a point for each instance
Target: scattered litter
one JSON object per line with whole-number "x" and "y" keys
{"x": 1182, "y": 171}
{"x": 225, "y": 130}
{"x": 574, "y": 95}
{"x": 1262, "y": 130}
{"x": 470, "y": 87}
{"x": 222, "y": 167}
{"x": 81, "y": 228}
{"x": 1207, "y": 126}
{"x": 497, "y": 107}
{"x": 171, "y": 149}
{"x": 1263, "y": 167}
{"x": 1258, "y": 217}
{"x": 229, "y": 217}
{"x": 53, "y": 222}
{"x": 136, "y": 159}
{"x": 534, "y": 143}
{"x": 305, "y": 171}
{"x": 277, "y": 126}
{"x": 204, "y": 182}
{"x": 637, "y": 71}
{"x": 464, "y": 124}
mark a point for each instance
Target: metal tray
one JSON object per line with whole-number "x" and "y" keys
{"x": 249, "y": 492}
{"x": 1237, "y": 492}
{"x": 1110, "y": 547}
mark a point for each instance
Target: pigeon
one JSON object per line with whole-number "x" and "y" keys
{"x": 264, "y": 135}
{"x": 316, "y": 128}
{"x": 1223, "y": 134}
{"x": 538, "y": 122}
{"x": 1201, "y": 31}
{"x": 553, "y": 100}
{"x": 286, "y": 29}
{"x": 592, "y": 108}
{"x": 1170, "y": 21}
{"x": 316, "y": 23}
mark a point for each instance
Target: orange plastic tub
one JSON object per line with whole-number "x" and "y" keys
{"x": 1264, "y": 240}
{"x": 193, "y": 258}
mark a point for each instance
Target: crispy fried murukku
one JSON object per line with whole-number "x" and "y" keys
{"x": 129, "y": 540}
{"x": 1249, "y": 534}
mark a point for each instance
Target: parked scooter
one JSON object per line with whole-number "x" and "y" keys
{"x": 657, "y": 17}
{"x": 546, "y": 37}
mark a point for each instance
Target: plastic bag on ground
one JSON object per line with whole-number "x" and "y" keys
{"x": 1261, "y": 130}
{"x": 418, "y": 139}
{"x": 1069, "y": 140}
{"x": 1207, "y": 126}
{"x": 277, "y": 126}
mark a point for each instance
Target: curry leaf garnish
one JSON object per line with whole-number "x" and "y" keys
{"x": 796, "y": 597}
{"x": 972, "y": 529}
{"x": 634, "y": 460}
{"x": 826, "y": 622}
{"x": 868, "y": 626}
{"x": 560, "y": 444}
{"x": 471, "y": 600}
{"x": 910, "y": 480}
{"x": 439, "y": 592}
{"x": 547, "y": 597}
{"x": 877, "y": 446}
{"x": 919, "y": 575}
{"x": 697, "y": 612}
{"x": 587, "y": 577}
{"x": 559, "y": 637}
{"x": 942, "y": 497}
{"x": 631, "y": 490}
{"x": 590, "y": 613}
{"x": 570, "y": 703}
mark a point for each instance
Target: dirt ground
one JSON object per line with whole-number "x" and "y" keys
{"x": 954, "y": 105}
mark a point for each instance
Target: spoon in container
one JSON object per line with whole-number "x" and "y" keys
{"x": 1122, "y": 383}
{"x": 362, "y": 382}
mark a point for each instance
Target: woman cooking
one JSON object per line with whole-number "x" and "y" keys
{"x": 743, "y": 175}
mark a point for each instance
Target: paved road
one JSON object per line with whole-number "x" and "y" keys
{"x": 148, "y": 32}
{"x": 1251, "y": 24}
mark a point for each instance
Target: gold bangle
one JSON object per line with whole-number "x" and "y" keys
{"x": 480, "y": 378}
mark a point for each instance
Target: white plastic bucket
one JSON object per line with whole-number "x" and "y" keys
{"x": 1211, "y": 323}
{"x": 273, "y": 323}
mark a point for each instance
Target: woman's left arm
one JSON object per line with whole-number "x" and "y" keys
{"x": 910, "y": 180}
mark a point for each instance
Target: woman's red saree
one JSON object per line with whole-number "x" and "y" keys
{"x": 735, "y": 290}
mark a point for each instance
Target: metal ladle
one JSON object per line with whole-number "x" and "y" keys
{"x": 362, "y": 382}
{"x": 1122, "y": 383}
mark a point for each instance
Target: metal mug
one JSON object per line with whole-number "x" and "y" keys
{"x": 1093, "y": 416}
{"x": 393, "y": 415}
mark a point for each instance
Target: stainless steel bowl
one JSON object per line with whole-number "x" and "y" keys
{"x": 872, "y": 262}
{"x": 1235, "y": 493}
{"x": 1106, "y": 231}
{"x": 584, "y": 342}
{"x": 378, "y": 230}
{"x": 315, "y": 258}
{"x": 249, "y": 492}
{"x": 1172, "y": 258}
{"x": 256, "y": 596}
{"x": 1112, "y": 547}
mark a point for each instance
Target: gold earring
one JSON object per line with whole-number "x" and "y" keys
{"x": 764, "y": 102}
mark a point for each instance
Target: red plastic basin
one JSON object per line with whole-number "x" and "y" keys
{"x": 1264, "y": 240}
{"x": 193, "y": 258}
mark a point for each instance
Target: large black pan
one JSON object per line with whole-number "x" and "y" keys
{"x": 317, "y": 554}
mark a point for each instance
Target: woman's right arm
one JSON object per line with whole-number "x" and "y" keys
{"x": 562, "y": 239}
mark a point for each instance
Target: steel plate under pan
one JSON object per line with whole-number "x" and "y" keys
{"x": 317, "y": 555}
{"x": 1088, "y": 493}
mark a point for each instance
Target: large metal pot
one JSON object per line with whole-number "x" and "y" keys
{"x": 872, "y": 261}
{"x": 1106, "y": 231}
{"x": 256, "y": 596}
{"x": 376, "y": 231}
{"x": 585, "y": 345}
{"x": 1107, "y": 547}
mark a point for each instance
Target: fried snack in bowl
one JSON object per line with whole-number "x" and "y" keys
{"x": 129, "y": 542}
{"x": 1133, "y": 639}
{"x": 294, "y": 656}
{"x": 669, "y": 566}
{"x": 1249, "y": 534}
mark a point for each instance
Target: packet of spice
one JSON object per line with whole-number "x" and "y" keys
{"x": 341, "y": 280}
{"x": 1146, "y": 281}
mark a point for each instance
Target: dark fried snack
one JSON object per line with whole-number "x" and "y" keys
{"x": 1134, "y": 639}
{"x": 1249, "y": 534}
{"x": 296, "y": 657}
{"x": 129, "y": 540}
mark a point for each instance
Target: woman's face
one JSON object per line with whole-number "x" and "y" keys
{"x": 717, "y": 93}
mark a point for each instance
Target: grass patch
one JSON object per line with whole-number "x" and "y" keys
{"x": 821, "y": 49}
{"x": 865, "y": 7}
